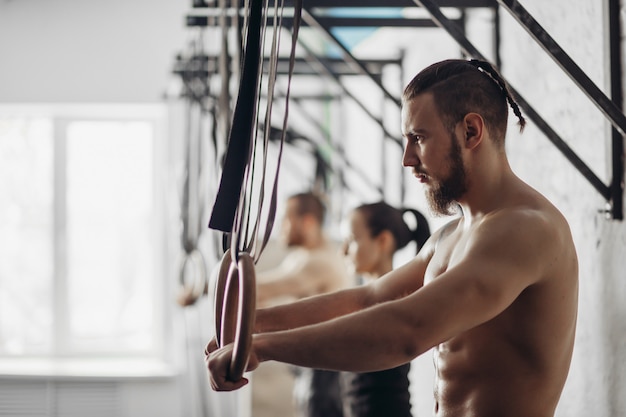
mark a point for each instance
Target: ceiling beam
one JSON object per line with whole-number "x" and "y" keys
{"x": 393, "y": 3}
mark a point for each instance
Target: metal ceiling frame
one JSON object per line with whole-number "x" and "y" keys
{"x": 610, "y": 108}
{"x": 316, "y": 16}
{"x": 612, "y": 194}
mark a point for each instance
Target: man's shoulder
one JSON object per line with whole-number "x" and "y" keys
{"x": 537, "y": 232}
{"x": 528, "y": 224}
{"x": 329, "y": 252}
{"x": 327, "y": 248}
{"x": 532, "y": 208}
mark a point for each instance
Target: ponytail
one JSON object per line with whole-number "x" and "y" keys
{"x": 421, "y": 232}
{"x": 381, "y": 216}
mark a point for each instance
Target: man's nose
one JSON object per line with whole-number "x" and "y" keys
{"x": 409, "y": 158}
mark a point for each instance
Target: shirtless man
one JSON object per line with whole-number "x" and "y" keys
{"x": 493, "y": 292}
{"x": 314, "y": 265}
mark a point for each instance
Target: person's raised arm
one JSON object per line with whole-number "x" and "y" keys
{"x": 284, "y": 284}
{"x": 311, "y": 310}
{"x": 325, "y": 307}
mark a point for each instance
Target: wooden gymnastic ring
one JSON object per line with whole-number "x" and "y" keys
{"x": 220, "y": 288}
{"x": 230, "y": 301}
{"x": 196, "y": 260}
{"x": 238, "y": 322}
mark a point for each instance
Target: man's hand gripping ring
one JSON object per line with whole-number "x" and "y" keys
{"x": 235, "y": 306}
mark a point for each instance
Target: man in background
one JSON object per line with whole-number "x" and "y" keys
{"x": 314, "y": 265}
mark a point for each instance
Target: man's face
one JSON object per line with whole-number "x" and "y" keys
{"x": 291, "y": 227}
{"x": 434, "y": 154}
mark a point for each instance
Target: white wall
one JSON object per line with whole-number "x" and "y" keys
{"x": 88, "y": 51}
{"x": 597, "y": 378}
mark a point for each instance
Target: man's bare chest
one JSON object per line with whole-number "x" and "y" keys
{"x": 449, "y": 250}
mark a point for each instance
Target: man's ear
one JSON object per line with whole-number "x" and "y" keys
{"x": 473, "y": 129}
{"x": 386, "y": 240}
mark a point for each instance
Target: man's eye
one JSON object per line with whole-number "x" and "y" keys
{"x": 414, "y": 139}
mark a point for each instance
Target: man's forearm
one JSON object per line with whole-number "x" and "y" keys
{"x": 373, "y": 339}
{"x": 311, "y": 310}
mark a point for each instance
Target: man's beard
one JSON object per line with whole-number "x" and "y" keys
{"x": 443, "y": 196}
{"x": 295, "y": 241}
{"x": 295, "y": 237}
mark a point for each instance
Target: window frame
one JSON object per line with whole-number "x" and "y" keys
{"x": 61, "y": 116}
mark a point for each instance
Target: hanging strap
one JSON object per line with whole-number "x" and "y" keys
{"x": 292, "y": 59}
{"x": 232, "y": 209}
{"x": 238, "y": 152}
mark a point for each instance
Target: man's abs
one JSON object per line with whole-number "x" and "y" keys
{"x": 477, "y": 375}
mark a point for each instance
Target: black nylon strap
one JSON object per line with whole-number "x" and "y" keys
{"x": 239, "y": 141}
{"x": 232, "y": 209}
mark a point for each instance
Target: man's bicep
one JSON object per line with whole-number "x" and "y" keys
{"x": 473, "y": 291}
{"x": 455, "y": 302}
{"x": 407, "y": 278}
{"x": 400, "y": 282}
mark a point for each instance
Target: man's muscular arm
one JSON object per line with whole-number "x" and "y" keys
{"x": 502, "y": 259}
{"x": 325, "y": 307}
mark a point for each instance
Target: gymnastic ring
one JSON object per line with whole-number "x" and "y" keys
{"x": 197, "y": 260}
{"x": 220, "y": 288}
{"x": 238, "y": 313}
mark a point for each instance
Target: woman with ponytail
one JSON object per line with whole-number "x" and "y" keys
{"x": 377, "y": 232}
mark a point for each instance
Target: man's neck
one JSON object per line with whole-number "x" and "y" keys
{"x": 488, "y": 191}
{"x": 314, "y": 242}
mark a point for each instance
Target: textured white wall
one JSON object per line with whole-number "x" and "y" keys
{"x": 597, "y": 378}
{"x": 88, "y": 51}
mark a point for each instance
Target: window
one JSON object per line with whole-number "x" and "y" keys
{"x": 79, "y": 233}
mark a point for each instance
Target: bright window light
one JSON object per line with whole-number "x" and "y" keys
{"x": 79, "y": 272}
{"x": 26, "y": 228}
{"x": 109, "y": 235}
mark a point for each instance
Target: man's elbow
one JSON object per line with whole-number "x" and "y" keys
{"x": 369, "y": 296}
{"x": 412, "y": 347}
{"x": 414, "y": 339}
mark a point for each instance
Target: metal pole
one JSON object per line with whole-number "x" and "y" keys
{"x": 617, "y": 139}
{"x": 311, "y": 21}
{"x": 496, "y": 36}
{"x": 324, "y": 69}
